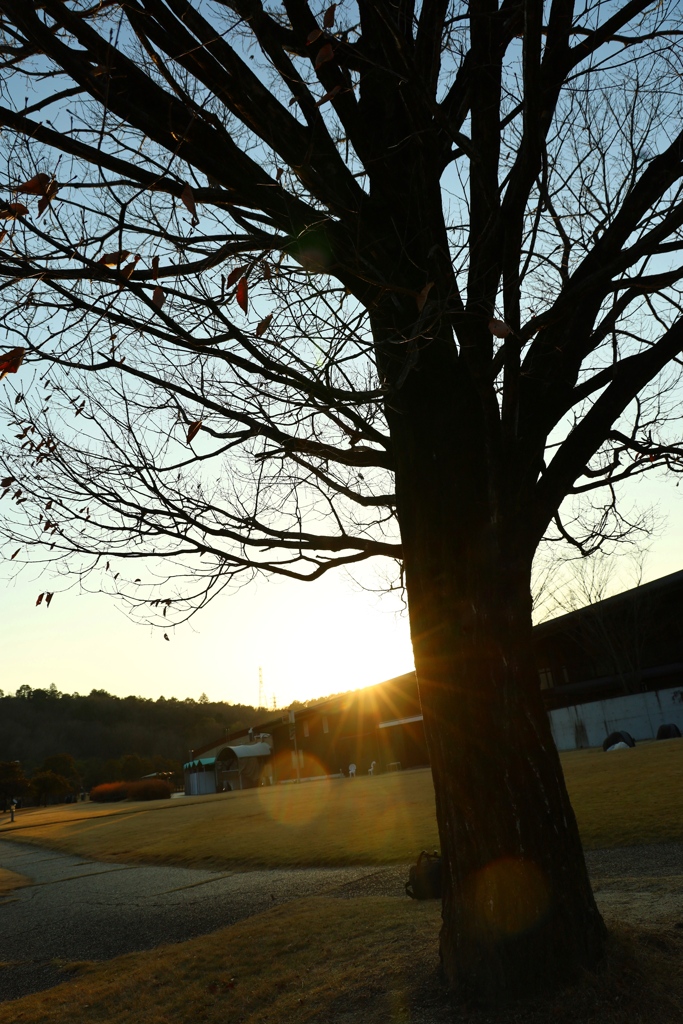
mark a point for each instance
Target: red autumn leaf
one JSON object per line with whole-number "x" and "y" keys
{"x": 263, "y": 326}
{"x": 158, "y": 296}
{"x": 234, "y": 275}
{"x": 40, "y": 599}
{"x": 329, "y": 95}
{"x": 155, "y": 267}
{"x": 421, "y": 297}
{"x": 48, "y": 598}
{"x": 312, "y": 36}
{"x": 11, "y": 361}
{"x": 499, "y": 329}
{"x": 49, "y": 195}
{"x": 35, "y": 186}
{"x": 113, "y": 259}
{"x": 187, "y": 197}
{"x": 194, "y": 430}
{"x": 242, "y": 294}
{"x": 325, "y": 53}
{"x": 328, "y": 18}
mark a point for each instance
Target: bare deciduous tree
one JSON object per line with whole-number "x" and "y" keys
{"x": 297, "y": 287}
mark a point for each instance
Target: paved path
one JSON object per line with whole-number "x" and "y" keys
{"x": 78, "y": 909}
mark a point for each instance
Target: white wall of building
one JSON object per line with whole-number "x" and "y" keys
{"x": 641, "y": 714}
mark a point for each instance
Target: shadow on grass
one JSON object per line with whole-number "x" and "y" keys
{"x": 357, "y": 961}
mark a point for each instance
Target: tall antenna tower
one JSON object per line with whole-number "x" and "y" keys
{"x": 261, "y": 689}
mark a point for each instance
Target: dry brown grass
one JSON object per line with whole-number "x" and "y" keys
{"x": 332, "y": 961}
{"x": 624, "y": 798}
{"x": 10, "y": 880}
{"x": 366, "y": 821}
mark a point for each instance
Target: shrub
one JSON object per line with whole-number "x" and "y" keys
{"x": 108, "y": 792}
{"x": 149, "y": 789}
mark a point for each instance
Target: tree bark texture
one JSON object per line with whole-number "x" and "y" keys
{"x": 518, "y": 910}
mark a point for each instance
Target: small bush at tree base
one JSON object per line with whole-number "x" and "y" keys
{"x": 149, "y": 789}
{"x": 109, "y": 792}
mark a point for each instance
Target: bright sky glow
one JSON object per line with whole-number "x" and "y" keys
{"x": 310, "y": 639}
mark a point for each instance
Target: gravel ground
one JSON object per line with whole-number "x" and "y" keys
{"x": 78, "y": 909}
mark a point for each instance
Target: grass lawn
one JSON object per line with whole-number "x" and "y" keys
{"x": 356, "y": 961}
{"x": 367, "y": 960}
{"x": 623, "y": 798}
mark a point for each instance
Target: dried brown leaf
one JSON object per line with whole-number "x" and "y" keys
{"x": 235, "y": 275}
{"x": 194, "y": 430}
{"x": 35, "y": 186}
{"x": 328, "y": 17}
{"x": 499, "y": 329}
{"x": 264, "y": 325}
{"x": 11, "y": 211}
{"x": 325, "y": 53}
{"x": 329, "y": 95}
{"x": 49, "y": 195}
{"x": 114, "y": 259}
{"x": 421, "y": 297}
{"x": 187, "y": 197}
{"x": 158, "y": 297}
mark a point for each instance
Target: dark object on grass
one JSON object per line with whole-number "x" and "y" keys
{"x": 669, "y": 731}
{"x": 618, "y": 737}
{"x": 424, "y": 878}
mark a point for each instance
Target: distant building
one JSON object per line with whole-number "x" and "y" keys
{"x": 617, "y": 664}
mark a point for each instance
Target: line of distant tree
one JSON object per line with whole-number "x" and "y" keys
{"x": 112, "y": 738}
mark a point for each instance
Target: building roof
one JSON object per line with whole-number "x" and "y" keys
{"x": 243, "y": 750}
{"x": 560, "y": 622}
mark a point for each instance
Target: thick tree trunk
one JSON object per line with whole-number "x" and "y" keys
{"x": 518, "y": 910}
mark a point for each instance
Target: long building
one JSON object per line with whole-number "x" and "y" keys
{"x": 617, "y": 664}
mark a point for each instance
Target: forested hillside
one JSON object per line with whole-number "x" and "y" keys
{"x": 100, "y": 728}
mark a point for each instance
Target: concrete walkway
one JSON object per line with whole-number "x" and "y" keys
{"x": 78, "y": 909}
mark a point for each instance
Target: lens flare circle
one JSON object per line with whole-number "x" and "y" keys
{"x": 296, "y": 805}
{"x": 508, "y": 896}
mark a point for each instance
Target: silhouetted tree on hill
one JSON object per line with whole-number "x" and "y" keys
{"x": 98, "y": 730}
